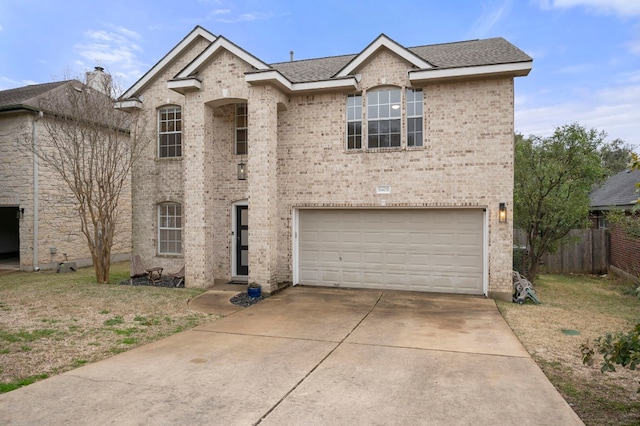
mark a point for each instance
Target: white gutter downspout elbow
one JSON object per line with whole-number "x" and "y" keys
{"x": 36, "y": 218}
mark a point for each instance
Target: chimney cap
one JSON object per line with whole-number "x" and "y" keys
{"x": 100, "y": 69}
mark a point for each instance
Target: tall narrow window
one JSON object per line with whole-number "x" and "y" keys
{"x": 384, "y": 118}
{"x": 170, "y": 132}
{"x": 414, "y": 117}
{"x": 242, "y": 129}
{"x": 354, "y": 122}
{"x": 170, "y": 228}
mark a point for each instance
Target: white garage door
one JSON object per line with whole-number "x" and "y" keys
{"x": 438, "y": 250}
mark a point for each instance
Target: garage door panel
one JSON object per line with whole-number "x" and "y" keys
{"x": 413, "y": 249}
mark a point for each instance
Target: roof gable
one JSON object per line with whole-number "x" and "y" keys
{"x": 382, "y": 42}
{"x": 216, "y": 47}
{"x": 196, "y": 34}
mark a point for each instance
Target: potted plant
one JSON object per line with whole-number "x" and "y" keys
{"x": 254, "y": 290}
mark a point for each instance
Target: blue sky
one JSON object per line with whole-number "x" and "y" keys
{"x": 586, "y": 52}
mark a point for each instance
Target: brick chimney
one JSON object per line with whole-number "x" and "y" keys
{"x": 99, "y": 80}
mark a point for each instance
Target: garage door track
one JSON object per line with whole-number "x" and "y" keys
{"x": 313, "y": 356}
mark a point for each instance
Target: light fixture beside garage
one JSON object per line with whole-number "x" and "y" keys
{"x": 20, "y": 213}
{"x": 502, "y": 213}
{"x": 242, "y": 170}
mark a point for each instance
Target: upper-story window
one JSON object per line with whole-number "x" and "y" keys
{"x": 414, "y": 117}
{"x": 242, "y": 129}
{"x": 384, "y": 115}
{"x": 354, "y": 122}
{"x": 170, "y": 132}
{"x": 387, "y": 123}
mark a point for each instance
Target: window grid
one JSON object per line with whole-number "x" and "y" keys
{"x": 384, "y": 118}
{"x": 354, "y": 122}
{"x": 242, "y": 129}
{"x": 170, "y": 228}
{"x": 170, "y": 132}
{"x": 414, "y": 117}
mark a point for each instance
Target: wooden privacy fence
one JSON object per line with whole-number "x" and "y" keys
{"x": 588, "y": 255}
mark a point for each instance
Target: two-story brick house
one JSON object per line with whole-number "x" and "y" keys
{"x": 389, "y": 168}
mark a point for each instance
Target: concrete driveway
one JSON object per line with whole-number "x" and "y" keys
{"x": 311, "y": 356}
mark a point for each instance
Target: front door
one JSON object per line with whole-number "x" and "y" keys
{"x": 242, "y": 240}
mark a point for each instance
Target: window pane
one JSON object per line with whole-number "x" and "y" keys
{"x": 170, "y": 228}
{"x": 169, "y": 132}
{"x": 354, "y": 122}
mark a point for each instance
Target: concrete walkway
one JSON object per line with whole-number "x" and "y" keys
{"x": 310, "y": 356}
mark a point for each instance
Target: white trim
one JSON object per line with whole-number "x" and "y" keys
{"x": 128, "y": 104}
{"x": 485, "y": 248}
{"x": 233, "y": 245}
{"x": 168, "y": 58}
{"x": 518, "y": 69}
{"x": 277, "y": 79}
{"x": 184, "y": 85}
{"x": 383, "y": 41}
{"x": 295, "y": 255}
{"x": 219, "y": 44}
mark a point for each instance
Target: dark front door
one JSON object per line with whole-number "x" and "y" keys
{"x": 242, "y": 240}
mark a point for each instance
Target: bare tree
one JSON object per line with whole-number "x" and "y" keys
{"x": 92, "y": 147}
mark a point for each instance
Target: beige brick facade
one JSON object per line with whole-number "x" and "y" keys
{"x": 298, "y": 158}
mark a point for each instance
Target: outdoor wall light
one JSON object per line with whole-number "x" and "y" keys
{"x": 20, "y": 213}
{"x": 502, "y": 213}
{"x": 242, "y": 170}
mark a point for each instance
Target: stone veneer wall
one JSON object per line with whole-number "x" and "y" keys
{"x": 59, "y": 227}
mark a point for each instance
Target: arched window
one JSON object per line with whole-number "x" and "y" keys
{"x": 170, "y": 132}
{"x": 170, "y": 228}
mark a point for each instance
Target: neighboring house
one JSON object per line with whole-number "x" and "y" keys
{"x": 383, "y": 169}
{"x": 618, "y": 192}
{"x": 39, "y": 225}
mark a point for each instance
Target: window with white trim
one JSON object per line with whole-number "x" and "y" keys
{"x": 384, "y": 118}
{"x": 242, "y": 129}
{"x": 170, "y": 132}
{"x": 388, "y": 125}
{"x": 170, "y": 228}
{"x": 354, "y": 121}
{"x": 414, "y": 117}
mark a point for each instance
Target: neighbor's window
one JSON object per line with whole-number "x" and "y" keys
{"x": 384, "y": 116}
{"x": 414, "y": 117}
{"x": 170, "y": 228}
{"x": 170, "y": 132}
{"x": 242, "y": 129}
{"x": 354, "y": 122}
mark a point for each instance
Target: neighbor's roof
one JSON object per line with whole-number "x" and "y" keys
{"x": 472, "y": 53}
{"x": 26, "y": 97}
{"x": 618, "y": 191}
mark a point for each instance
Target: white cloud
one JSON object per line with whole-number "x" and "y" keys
{"x": 245, "y": 17}
{"x": 616, "y": 110}
{"x": 114, "y": 48}
{"x": 575, "y": 69}
{"x": 626, "y": 8}
{"x": 491, "y": 15}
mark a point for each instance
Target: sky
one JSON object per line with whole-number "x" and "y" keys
{"x": 586, "y": 53}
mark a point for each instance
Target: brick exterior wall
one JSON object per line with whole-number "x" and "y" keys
{"x": 624, "y": 251}
{"x": 297, "y": 158}
{"x": 59, "y": 228}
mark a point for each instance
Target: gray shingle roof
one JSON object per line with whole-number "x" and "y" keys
{"x": 490, "y": 51}
{"x": 619, "y": 190}
{"x": 25, "y": 96}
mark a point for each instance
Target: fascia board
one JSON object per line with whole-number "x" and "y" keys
{"x": 184, "y": 85}
{"x": 277, "y": 79}
{"x": 213, "y": 49}
{"x": 128, "y": 104}
{"x": 370, "y": 50}
{"x": 519, "y": 69}
{"x": 167, "y": 59}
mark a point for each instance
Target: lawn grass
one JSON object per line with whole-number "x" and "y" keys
{"x": 51, "y": 323}
{"x": 586, "y": 307}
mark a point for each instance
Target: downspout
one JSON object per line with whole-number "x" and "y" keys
{"x": 36, "y": 218}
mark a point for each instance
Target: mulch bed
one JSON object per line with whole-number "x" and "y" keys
{"x": 243, "y": 299}
{"x": 164, "y": 282}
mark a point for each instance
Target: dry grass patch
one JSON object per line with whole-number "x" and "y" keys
{"x": 590, "y": 306}
{"x": 51, "y": 323}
